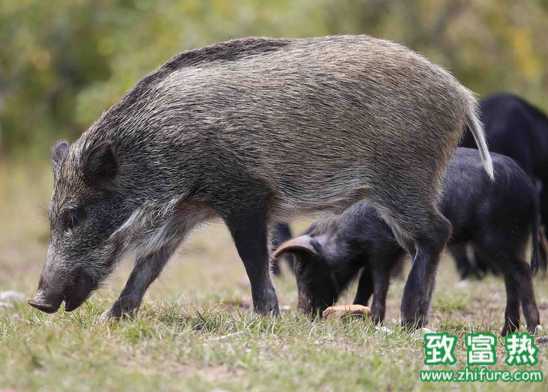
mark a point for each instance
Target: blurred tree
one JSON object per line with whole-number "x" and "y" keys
{"x": 49, "y": 54}
{"x": 63, "y": 63}
{"x": 489, "y": 45}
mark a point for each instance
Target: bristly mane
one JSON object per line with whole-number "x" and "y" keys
{"x": 224, "y": 51}
{"x": 220, "y": 52}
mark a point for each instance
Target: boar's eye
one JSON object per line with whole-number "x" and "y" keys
{"x": 72, "y": 217}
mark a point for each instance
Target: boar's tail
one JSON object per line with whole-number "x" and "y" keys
{"x": 538, "y": 256}
{"x": 476, "y": 129}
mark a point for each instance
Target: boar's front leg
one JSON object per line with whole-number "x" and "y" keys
{"x": 249, "y": 231}
{"x": 146, "y": 270}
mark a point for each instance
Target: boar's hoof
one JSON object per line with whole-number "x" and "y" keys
{"x": 109, "y": 315}
{"x": 271, "y": 310}
{"x": 117, "y": 312}
{"x": 344, "y": 311}
{"x": 412, "y": 325}
{"x": 266, "y": 304}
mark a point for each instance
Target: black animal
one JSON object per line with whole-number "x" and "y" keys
{"x": 253, "y": 131}
{"x": 280, "y": 233}
{"x": 515, "y": 128}
{"x": 495, "y": 218}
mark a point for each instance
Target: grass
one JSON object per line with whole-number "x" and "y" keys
{"x": 196, "y": 332}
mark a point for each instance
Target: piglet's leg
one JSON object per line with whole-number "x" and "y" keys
{"x": 462, "y": 261}
{"x": 381, "y": 282}
{"x": 146, "y": 270}
{"x": 365, "y": 288}
{"x": 511, "y": 314}
{"x": 527, "y": 297}
{"x": 280, "y": 233}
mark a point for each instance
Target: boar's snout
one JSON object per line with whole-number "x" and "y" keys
{"x": 46, "y": 302}
{"x": 48, "y": 298}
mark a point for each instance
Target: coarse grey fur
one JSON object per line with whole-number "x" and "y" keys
{"x": 257, "y": 130}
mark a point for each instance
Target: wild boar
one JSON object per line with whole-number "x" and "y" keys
{"x": 494, "y": 218}
{"x": 253, "y": 131}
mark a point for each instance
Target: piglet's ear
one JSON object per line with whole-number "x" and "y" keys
{"x": 302, "y": 243}
{"x": 59, "y": 151}
{"x": 99, "y": 164}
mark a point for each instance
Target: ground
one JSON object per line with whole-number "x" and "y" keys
{"x": 196, "y": 331}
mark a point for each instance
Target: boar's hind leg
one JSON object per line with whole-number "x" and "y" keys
{"x": 146, "y": 270}
{"x": 427, "y": 231}
{"x": 249, "y": 231}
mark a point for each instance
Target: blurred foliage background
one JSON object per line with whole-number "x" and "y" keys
{"x": 63, "y": 62}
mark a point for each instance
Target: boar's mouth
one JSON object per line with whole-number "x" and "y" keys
{"x": 80, "y": 290}
{"x": 74, "y": 294}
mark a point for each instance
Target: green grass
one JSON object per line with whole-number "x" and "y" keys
{"x": 196, "y": 332}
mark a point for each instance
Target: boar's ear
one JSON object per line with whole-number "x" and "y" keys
{"x": 99, "y": 164}
{"x": 59, "y": 152}
{"x": 302, "y": 243}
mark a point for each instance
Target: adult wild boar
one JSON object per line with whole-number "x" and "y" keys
{"x": 254, "y": 130}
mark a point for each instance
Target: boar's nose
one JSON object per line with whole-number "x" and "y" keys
{"x": 45, "y": 303}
